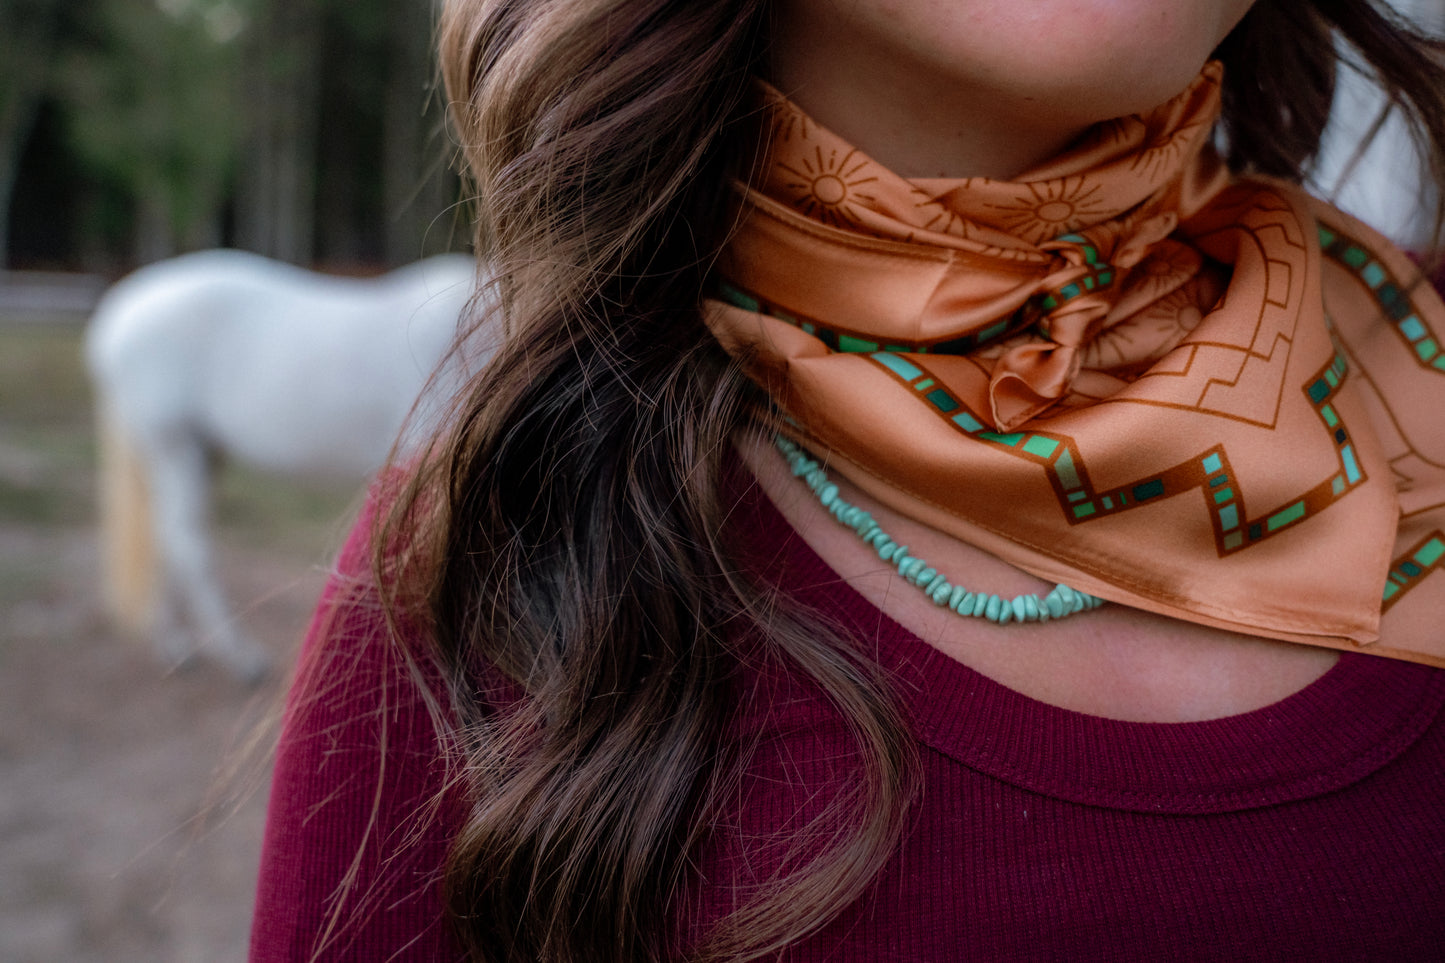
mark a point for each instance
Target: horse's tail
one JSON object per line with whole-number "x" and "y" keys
{"x": 128, "y": 556}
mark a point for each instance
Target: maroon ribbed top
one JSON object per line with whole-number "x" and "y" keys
{"x": 1311, "y": 829}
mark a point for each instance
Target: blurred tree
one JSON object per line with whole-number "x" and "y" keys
{"x": 354, "y": 79}
{"x": 345, "y": 152}
{"x": 276, "y": 191}
{"x": 303, "y": 129}
{"x": 384, "y": 185}
{"x": 154, "y": 104}
{"x": 28, "y": 33}
{"x": 418, "y": 185}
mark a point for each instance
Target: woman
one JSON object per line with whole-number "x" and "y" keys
{"x": 619, "y": 686}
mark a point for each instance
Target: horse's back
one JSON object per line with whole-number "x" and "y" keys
{"x": 282, "y": 367}
{"x": 162, "y": 310}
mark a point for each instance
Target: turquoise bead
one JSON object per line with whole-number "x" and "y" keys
{"x": 1060, "y": 602}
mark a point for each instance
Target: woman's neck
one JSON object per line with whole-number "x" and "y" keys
{"x": 959, "y": 133}
{"x": 967, "y": 88}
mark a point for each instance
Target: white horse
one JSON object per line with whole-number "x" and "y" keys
{"x": 224, "y": 352}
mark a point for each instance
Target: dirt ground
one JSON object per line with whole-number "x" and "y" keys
{"x": 132, "y": 796}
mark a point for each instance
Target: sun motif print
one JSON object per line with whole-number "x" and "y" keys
{"x": 826, "y": 185}
{"x": 1047, "y": 209}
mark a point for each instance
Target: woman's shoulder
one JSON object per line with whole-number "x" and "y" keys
{"x": 360, "y": 812}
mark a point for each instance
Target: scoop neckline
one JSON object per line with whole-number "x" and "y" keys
{"x": 1357, "y": 717}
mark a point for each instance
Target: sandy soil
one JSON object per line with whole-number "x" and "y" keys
{"x": 131, "y": 802}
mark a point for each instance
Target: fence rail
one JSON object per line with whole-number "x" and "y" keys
{"x": 44, "y": 296}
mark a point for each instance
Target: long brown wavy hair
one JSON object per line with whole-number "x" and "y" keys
{"x": 567, "y": 528}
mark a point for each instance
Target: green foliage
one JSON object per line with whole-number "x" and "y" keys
{"x": 300, "y": 129}
{"x": 27, "y": 31}
{"x": 154, "y": 105}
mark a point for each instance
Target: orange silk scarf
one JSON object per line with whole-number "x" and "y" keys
{"x": 1209, "y": 397}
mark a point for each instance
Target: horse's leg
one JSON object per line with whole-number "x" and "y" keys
{"x": 181, "y": 484}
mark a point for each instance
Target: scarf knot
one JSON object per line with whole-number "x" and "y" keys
{"x": 1074, "y": 305}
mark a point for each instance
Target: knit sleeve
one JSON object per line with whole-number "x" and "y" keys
{"x": 358, "y": 824}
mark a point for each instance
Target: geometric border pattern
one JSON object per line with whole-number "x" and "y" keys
{"x": 1208, "y": 472}
{"x": 853, "y": 342}
{"x": 1424, "y": 345}
{"x": 1389, "y": 292}
{"x": 1409, "y": 569}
